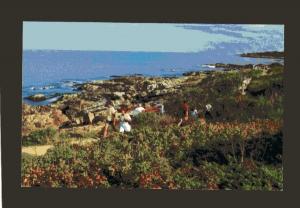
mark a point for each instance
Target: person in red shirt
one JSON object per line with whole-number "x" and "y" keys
{"x": 185, "y": 110}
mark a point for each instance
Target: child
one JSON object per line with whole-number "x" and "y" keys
{"x": 194, "y": 113}
{"x": 124, "y": 121}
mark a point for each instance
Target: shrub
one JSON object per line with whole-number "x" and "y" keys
{"x": 238, "y": 176}
{"x": 162, "y": 158}
{"x": 40, "y": 137}
{"x": 153, "y": 120}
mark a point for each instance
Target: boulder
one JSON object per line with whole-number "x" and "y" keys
{"x": 165, "y": 84}
{"x": 77, "y": 121}
{"x": 88, "y": 87}
{"x": 88, "y": 118}
{"x": 71, "y": 113}
{"x": 27, "y": 109}
{"x": 38, "y": 124}
{"x": 111, "y": 96}
{"x": 58, "y": 117}
{"x": 40, "y": 118}
{"x": 66, "y": 124}
{"x": 119, "y": 94}
{"x": 37, "y": 97}
{"x": 127, "y": 96}
{"x": 143, "y": 94}
{"x": 190, "y": 73}
{"x": 152, "y": 87}
{"x": 98, "y": 119}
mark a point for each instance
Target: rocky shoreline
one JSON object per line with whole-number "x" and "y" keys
{"x": 87, "y": 106}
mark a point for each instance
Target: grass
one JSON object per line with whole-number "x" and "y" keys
{"x": 40, "y": 137}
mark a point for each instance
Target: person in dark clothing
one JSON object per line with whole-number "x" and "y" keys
{"x": 208, "y": 109}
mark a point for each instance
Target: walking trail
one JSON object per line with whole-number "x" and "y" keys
{"x": 39, "y": 150}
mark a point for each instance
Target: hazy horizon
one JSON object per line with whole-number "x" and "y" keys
{"x": 151, "y": 37}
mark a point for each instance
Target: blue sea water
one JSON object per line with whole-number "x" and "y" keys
{"x": 50, "y": 72}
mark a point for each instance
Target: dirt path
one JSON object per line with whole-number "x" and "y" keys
{"x": 38, "y": 150}
{"x": 82, "y": 141}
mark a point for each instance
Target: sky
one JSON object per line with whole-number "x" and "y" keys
{"x": 151, "y": 37}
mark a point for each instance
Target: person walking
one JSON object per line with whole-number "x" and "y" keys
{"x": 185, "y": 111}
{"x": 208, "y": 109}
{"x": 110, "y": 118}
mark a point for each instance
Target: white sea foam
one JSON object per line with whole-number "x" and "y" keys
{"x": 208, "y": 66}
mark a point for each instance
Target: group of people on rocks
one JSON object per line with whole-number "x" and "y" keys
{"x": 124, "y": 116}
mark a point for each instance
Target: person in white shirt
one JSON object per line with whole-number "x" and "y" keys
{"x": 124, "y": 122}
{"x": 161, "y": 108}
{"x": 194, "y": 113}
{"x": 208, "y": 107}
{"x": 138, "y": 110}
{"x": 208, "y": 114}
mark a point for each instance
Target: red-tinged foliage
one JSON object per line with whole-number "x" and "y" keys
{"x": 111, "y": 162}
{"x": 151, "y": 180}
{"x": 249, "y": 165}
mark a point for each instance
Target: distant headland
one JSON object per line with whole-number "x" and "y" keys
{"x": 267, "y": 54}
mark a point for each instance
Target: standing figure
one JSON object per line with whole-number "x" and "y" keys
{"x": 110, "y": 118}
{"x": 194, "y": 113}
{"x": 208, "y": 109}
{"x": 185, "y": 108}
{"x": 161, "y": 108}
{"x": 185, "y": 111}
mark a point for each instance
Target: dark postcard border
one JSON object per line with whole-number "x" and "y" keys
{"x": 11, "y": 81}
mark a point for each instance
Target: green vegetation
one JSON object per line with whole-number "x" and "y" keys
{"x": 40, "y": 137}
{"x": 208, "y": 156}
{"x": 240, "y": 148}
{"x": 263, "y": 99}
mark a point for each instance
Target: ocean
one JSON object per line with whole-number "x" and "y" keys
{"x": 53, "y": 72}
